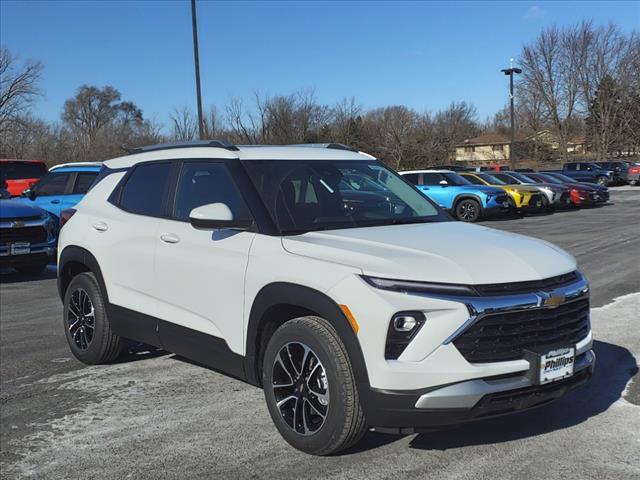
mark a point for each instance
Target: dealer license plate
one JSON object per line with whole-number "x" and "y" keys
{"x": 21, "y": 248}
{"x": 557, "y": 364}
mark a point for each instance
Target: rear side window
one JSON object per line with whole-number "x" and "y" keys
{"x": 52, "y": 184}
{"x": 201, "y": 183}
{"x": 571, "y": 166}
{"x": 413, "y": 178}
{"x": 145, "y": 188}
{"x": 84, "y": 180}
{"x": 431, "y": 178}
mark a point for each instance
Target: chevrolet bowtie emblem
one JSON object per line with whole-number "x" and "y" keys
{"x": 553, "y": 301}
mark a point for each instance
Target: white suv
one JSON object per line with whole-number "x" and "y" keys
{"x": 325, "y": 278}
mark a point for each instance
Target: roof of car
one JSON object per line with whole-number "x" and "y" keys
{"x": 241, "y": 152}
{"x": 77, "y": 166}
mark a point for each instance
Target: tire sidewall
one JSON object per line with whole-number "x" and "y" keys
{"x": 88, "y": 283}
{"x": 331, "y": 430}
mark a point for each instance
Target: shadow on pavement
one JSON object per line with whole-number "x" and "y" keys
{"x": 11, "y": 276}
{"x": 615, "y": 366}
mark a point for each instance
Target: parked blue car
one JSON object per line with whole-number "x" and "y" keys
{"x": 28, "y": 236}
{"x": 63, "y": 187}
{"x": 466, "y": 201}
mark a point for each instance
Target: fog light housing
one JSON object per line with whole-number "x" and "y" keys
{"x": 403, "y": 327}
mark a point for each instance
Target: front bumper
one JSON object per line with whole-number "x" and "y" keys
{"x": 497, "y": 204}
{"x": 433, "y": 383}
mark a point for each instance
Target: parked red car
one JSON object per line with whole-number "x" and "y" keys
{"x": 18, "y": 175}
{"x": 633, "y": 174}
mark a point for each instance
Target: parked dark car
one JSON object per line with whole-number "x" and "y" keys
{"x": 589, "y": 172}
{"x": 28, "y": 236}
{"x": 620, "y": 169}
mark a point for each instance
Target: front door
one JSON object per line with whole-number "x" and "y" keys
{"x": 201, "y": 273}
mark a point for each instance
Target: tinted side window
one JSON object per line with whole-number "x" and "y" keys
{"x": 201, "y": 183}
{"x": 52, "y": 184}
{"x": 412, "y": 177}
{"x": 473, "y": 179}
{"x": 84, "y": 180}
{"x": 571, "y": 166}
{"x": 431, "y": 178}
{"x": 144, "y": 191}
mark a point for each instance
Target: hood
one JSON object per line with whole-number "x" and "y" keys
{"x": 448, "y": 252}
{"x": 523, "y": 188}
{"x": 17, "y": 208}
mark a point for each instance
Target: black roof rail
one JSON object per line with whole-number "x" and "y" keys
{"x": 333, "y": 145}
{"x": 188, "y": 144}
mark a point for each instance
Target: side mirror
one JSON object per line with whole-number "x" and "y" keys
{"x": 444, "y": 183}
{"x": 216, "y": 215}
{"x": 29, "y": 193}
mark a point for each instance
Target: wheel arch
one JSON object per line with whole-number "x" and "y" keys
{"x": 296, "y": 300}
{"x": 467, "y": 196}
{"x": 73, "y": 261}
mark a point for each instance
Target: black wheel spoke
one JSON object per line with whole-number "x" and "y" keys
{"x": 81, "y": 318}
{"x": 300, "y": 388}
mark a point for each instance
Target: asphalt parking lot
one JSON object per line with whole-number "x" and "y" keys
{"x": 156, "y": 415}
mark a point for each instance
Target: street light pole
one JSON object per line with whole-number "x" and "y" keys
{"x": 511, "y": 71}
{"x": 196, "y": 59}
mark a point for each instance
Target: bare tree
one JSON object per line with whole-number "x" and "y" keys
{"x": 184, "y": 124}
{"x": 550, "y": 74}
{"x": 18, "y": 87}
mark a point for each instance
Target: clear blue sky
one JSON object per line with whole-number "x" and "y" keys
{"x": 423, "y": 55}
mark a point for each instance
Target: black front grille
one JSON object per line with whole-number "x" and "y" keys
{"x": 501, "y": 199}
{"x": 504, "y": 336}
{"x": 23, "y": 234}
{"x": 525, "y": 287}
{"x": 565, "y": 198}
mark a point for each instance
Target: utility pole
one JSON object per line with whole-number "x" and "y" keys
{"x": 511, "y": 71}
{"x": 196, "y": 59}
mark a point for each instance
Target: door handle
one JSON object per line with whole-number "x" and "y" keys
{"x": 55, "y": 201}
{"x": 100, "y": 226}
{"x": 169, "y": 238}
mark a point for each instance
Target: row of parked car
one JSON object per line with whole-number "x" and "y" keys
{"x": 473, "y": 195}
{"x": 33, "y": 199}
{"x": 29, "y": 222}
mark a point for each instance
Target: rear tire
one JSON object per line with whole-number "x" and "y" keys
{"x": 468, "y": 210}
{"x": 310, "y": 389}
{"x": 86, "y": 323}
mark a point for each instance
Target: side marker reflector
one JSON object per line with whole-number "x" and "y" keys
{"x": 350, "y": 317}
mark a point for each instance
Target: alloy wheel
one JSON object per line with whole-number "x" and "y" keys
{"x": 300, "y": 388}
{"x": 467, "y": 211}
{"x": 81, "y": 319}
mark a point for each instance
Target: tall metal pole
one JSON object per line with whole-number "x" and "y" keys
{"x": 196, "y": 59}
{"x": 513, "y": 129}
{"x": 511, "y": 71}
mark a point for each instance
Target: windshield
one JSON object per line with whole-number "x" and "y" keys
{"x": 522, "y": 178}
{"x": 562, "y": 178}
{"x": 455, "y": 179}
{"x": 308, "y": 195}
{"x": 491, "y": 179}
{"x": 548, "y": 179}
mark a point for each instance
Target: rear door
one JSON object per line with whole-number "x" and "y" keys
{"x": 82, "y": 180}
{"x": 200, "y": 273}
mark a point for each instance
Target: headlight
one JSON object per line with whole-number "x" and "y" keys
{"x": 406, "y": 286}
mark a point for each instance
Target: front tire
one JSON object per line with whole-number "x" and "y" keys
{"x": 310, "y": 389}
{"x": 468, "y": 210}
{"x": 86, "y": 323}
